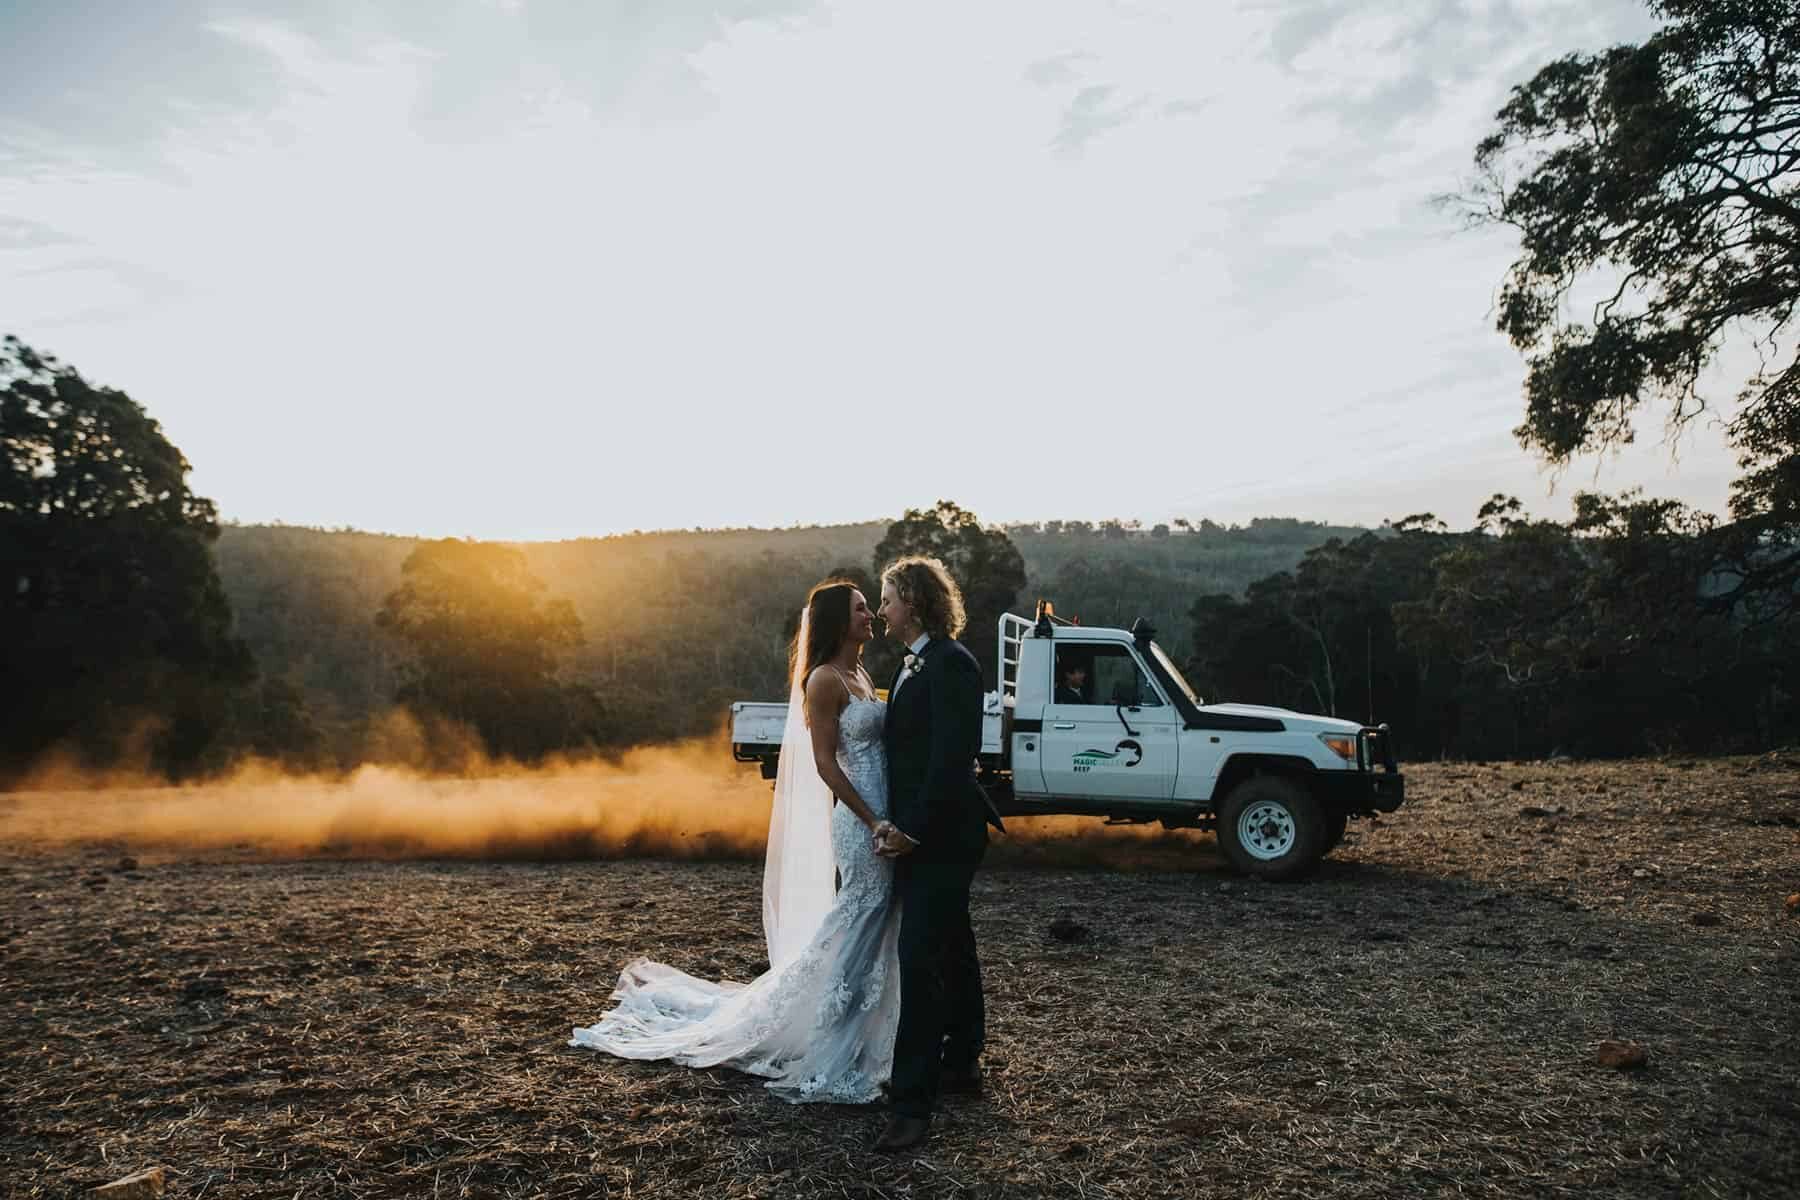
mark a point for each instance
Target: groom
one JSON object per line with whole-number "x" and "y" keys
{"x": 937, "y": 834}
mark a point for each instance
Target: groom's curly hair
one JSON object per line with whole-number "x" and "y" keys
{"x": 925, "y": 586}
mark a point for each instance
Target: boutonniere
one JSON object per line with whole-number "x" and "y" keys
{"x": 914, "y": 664}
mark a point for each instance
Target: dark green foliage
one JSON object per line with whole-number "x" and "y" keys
{"x": 678, "y": 625}
{"x": 1107, "y": 581}
{"x": 1613, "y": 632}
{"x": 1609, "y": 634}
{"x": 1667, "y": 175}
{"x": 273, "y": 721}
{"x": 305, "y": 601}
{"x": 984, "y": 561}
{"x": 117, "y": 633}
{"x": 1322, "y": 637}
{"x": 486, "y": 643}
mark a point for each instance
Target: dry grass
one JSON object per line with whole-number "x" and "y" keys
{"x": 1424, "y": 1018}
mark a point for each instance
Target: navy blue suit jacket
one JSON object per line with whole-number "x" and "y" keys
{"x": 932, "y": 733}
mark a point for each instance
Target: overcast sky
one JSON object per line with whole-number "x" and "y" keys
{"x": 546, "y": 268}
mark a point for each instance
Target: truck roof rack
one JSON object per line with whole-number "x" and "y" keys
{"x": 1013, "y": 629}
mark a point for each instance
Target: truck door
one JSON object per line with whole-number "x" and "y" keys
{"x": 1087, "y": 749}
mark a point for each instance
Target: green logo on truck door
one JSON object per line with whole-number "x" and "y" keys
{"x": 1087, "y": 760}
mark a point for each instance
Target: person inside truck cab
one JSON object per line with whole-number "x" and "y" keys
{"x": 1102, "y": 675}
{"x": 1072, "y": 687}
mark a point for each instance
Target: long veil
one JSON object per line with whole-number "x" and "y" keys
{"x": 799, "y": 875}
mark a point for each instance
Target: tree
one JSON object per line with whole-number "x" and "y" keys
{"x": 1115, "y": 591}
{"x": 1666, "y": 174}
{"x": 985, "y": 563}
{"x": 486, "y": 643}
{"x": 1323, "y": 636}
{"x": 1596, "y": 635}
{"x": 116, "y": 626}
{"x": 274, "y": 721}
{"x": 1508, "y": 604}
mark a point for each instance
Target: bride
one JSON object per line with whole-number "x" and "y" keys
{"x": 820, "y": 1023}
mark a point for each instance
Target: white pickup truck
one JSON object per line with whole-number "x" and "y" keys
{"x": 1099, "y": 722}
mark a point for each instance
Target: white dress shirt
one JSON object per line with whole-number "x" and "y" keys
{"x": 917, "y": 647}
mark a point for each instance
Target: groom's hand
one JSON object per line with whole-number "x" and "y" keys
{"x": 892, "y": 841}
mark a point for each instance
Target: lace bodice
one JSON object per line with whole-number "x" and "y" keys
{"x": 863, "y": 877}
{"x": 859, "y": 731}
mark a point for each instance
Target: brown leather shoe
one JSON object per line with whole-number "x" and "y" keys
{"x": 961, "y": 1083}
{"x": 903, "y": 1133}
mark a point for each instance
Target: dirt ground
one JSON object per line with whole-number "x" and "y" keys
{"x": 1423, "y": 1018}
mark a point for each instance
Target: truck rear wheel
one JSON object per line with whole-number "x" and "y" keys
{"x": 1271, "y": 827}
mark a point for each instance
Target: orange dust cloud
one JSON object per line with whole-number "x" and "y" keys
{"x": 434, "y": 794}
{"x": 684, "y": 800}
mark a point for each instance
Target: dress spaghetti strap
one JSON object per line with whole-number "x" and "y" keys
{"x": 856, "y": 693}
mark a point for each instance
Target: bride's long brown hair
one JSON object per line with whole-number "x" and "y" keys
{"x": 826, "y": 625}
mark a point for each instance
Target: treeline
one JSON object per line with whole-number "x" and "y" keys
{"x": 1616, "y": 632}
{"x": 1638, "y": 626}
{"x": 675, "y": 626}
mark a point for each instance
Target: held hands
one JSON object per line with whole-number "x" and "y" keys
{"x": 890, "y": 842}
{"x": 880, "y": 835}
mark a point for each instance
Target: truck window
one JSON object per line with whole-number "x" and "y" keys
{"x": 1104, "y": 675}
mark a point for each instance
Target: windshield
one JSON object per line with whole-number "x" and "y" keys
{"x": 1175, "y": 674}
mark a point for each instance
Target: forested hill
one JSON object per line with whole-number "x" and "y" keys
{"x": 680, "y": 624}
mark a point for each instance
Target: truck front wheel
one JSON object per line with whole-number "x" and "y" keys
{"x": 1270, "y": 826}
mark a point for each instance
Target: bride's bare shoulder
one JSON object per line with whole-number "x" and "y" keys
{"x": 826, "y": 687}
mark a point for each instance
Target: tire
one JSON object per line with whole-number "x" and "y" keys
{"x": 1334, "y": 830}
{"x": 1271, "y": 827}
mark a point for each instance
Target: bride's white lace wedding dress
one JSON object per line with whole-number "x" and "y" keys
{"x": 820, "y": 1026}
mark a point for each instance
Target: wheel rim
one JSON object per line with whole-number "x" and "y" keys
{"x": 1266, "y": 830}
